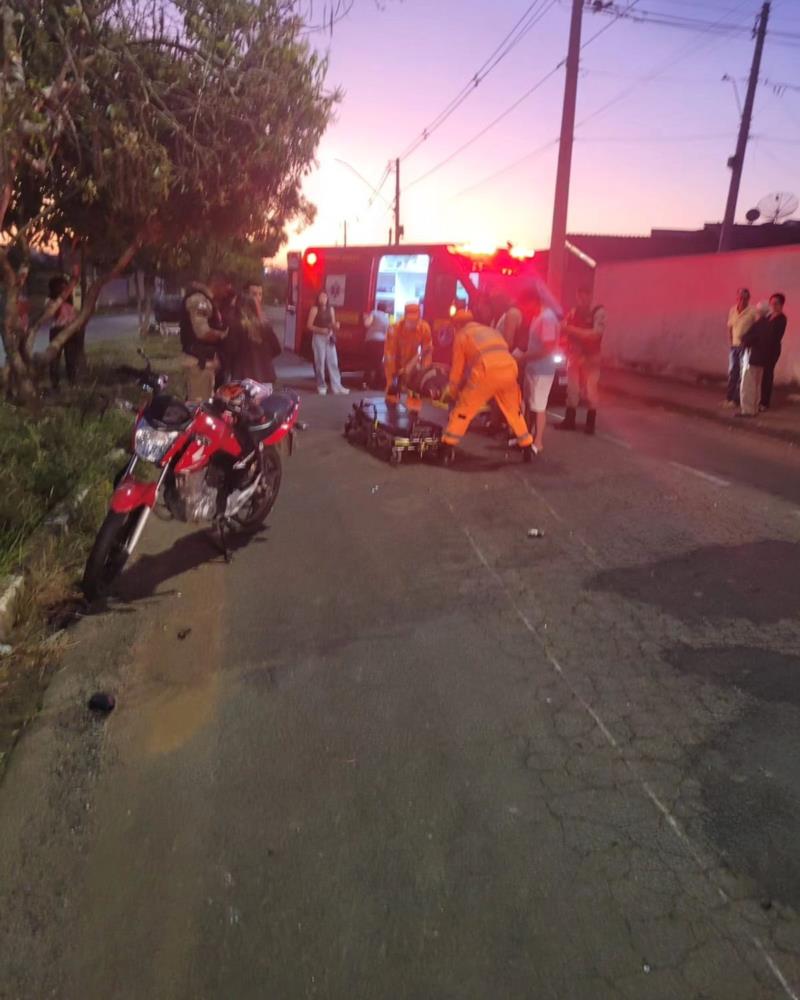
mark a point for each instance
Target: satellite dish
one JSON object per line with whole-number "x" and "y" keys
{"x": 778, "y": 206}
{"x": 752, "y": 215}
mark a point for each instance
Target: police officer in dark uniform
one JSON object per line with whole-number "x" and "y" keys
{"x": 203, "y": 330}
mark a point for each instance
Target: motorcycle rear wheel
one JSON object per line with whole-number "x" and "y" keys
{"x": 108, "y": 556}
{"x": 252, "y": 518}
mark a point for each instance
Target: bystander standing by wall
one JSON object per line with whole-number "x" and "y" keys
{"x": 740, "y": 318}
{"x": 777, "y": 329}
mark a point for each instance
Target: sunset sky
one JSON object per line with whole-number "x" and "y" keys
{"x": 656, "y": 157}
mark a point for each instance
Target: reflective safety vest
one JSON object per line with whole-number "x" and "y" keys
{"x": 476, "y": 344}
{"x": 403, "y": 344}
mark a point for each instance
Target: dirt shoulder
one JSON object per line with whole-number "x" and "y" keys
{"x": 56, "y": 469}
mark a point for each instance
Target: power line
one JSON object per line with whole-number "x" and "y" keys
{"x": 624, "y": 93}
{"x": 776, "y": 86}
{"x": 668, "y": 64}
{"x": 664, "y": 19}
{"x": 487, "y": 128}
{"x": 525, "y": 23}
{"x": 696, "y": 137}
{"x": 509, "y": 167}
{"x": 379, "y": 186}
{"x": 511, "y": 108}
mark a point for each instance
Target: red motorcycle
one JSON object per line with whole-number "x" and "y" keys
{"x": 217, "y": 462}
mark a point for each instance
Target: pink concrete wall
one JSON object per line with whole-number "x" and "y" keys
{"x": 670, "y": 314}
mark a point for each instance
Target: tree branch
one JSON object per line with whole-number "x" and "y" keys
{"x": 89, "y": 305}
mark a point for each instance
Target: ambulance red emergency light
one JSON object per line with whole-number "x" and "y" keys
{"x": 359, "y": 279}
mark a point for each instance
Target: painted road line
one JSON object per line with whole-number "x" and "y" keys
{"x": 589, "y": 552}
{"x": 615, "y": 440}
{"x": 709, "y": 478}
{"x": 558, "y": 417}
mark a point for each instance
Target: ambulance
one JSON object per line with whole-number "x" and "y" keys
{"x": 440, "y": 277}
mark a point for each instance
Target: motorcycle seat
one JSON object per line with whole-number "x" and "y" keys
{"x": 266, "y": 416}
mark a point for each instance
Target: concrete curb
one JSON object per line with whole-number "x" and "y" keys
{"x": 12, "y": 588}
{"x": 752, "y": 426}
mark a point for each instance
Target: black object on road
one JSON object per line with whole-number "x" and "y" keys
{"x": 102, "y": 703}
{"x": 392, "y": 430}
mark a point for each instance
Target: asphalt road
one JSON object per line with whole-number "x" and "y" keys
{"x": 406, "y": 751}
{"x": 102, "y": 327}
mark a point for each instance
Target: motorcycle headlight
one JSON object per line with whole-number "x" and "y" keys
{"x": 559, "y": 359}
{"x": 151, "y": 445}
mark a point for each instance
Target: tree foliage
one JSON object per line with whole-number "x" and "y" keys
{"x": 136, "y": 126}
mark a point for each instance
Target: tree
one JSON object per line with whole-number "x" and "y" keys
{"x": 135, "y": 126}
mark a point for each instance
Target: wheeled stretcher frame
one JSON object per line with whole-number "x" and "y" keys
{"x": 392, "y": 430}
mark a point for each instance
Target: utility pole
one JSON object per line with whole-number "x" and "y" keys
{"x": 558, "y": 249}
{"x": 736, "y": 162}
{"x": 398, "y": 229}
{"x": 345, "y": 232}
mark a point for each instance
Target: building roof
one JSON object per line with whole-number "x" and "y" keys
{"x": 676, "y": 242}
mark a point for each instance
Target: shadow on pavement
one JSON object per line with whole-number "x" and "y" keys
{"x": 749, "y": 770}
{"x": 761, "y": 673}
{"x": 188, "y": 552}
{"x": 749, "y": 775}
{"x": 757, "y": 581}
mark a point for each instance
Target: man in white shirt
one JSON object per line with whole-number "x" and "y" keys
{"x": 740, "y": 319}
{"x": 376, "y": 324}
{"x": 539, "y": 365}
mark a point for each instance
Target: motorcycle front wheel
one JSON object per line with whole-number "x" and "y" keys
{"x": 108, "y": 555}
{"x": 255, "y": 513}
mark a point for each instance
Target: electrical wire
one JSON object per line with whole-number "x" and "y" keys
{"x": 697, "y": 137}
{"x": 511, "y": 108}
{"x": 487, "y": 128}
{"x": 664, "y": 19}
{"x": 624, "y": 93}
{"x": 509, "y": 167}
{"x": 659, "y": 71}
{"x": 526, "y": 22}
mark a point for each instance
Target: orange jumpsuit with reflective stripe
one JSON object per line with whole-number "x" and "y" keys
{"x": 403, "y": 345}
{"x": 482, "y": 354}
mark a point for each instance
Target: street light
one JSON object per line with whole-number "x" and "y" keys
{"x": 363, "y": 180}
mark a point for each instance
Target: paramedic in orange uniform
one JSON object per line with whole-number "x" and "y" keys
{"x": 405, "y": 343}
{"x": 483, "y": 369}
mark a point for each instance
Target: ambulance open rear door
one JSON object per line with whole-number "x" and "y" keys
{"x": 292, "y": 301}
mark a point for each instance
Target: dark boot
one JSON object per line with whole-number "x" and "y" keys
{"x": 568, "y": 423}
{"x": 591, "y": 421}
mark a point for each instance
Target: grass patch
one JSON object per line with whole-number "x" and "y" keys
{"x": 46, "y": 457}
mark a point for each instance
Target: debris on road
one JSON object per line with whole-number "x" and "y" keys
{"x": 535, "y": 533}
{"x": 184, "y": 633}
{"x": 102, "y": 702}
{"x": 5, "y": 649}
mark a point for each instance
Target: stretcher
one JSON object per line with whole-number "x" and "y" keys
{"x": 392, "y": 430}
